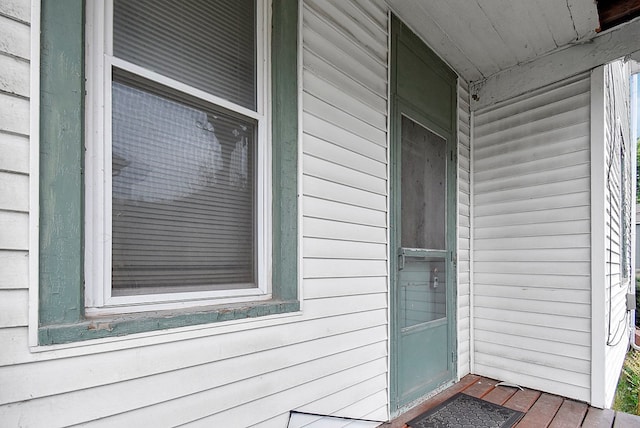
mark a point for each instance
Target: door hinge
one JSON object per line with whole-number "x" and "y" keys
{"x": 454, "y": 357}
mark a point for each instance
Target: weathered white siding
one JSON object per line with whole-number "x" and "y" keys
{"x": 618, "y": 192}
{"x": 345, "y": 178}
{"x": 14, "y": 168}
{"x": 464, "y": 229}
{"x": 332, "y": 359}
{"x": 531, "y": 164}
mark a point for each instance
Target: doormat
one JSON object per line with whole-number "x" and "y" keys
{"x": 463, "y": 410}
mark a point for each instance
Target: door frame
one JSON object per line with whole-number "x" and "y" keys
{"x": 398, "y": 108}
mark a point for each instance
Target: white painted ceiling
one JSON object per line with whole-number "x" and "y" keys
{"x": 479, "y": 38}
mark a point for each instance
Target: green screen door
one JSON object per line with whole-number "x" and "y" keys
{"x": 423, "y": 219}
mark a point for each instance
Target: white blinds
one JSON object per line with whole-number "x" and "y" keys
{"x": 208, "y": 44}
{"x": 183, "y": 179}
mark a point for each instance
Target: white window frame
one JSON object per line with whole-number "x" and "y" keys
{"x": 98, "y": 203}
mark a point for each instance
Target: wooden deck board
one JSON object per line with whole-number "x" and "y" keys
{"x": 625, "y": 420}
{"x": 523, "y": 400}
{"x": 570, "y": 415}
{"x": 598, "y": 418}
{"x": 481, "y": 387}
{"x": 500, "y": 394}
{"x": 542, "y": 412}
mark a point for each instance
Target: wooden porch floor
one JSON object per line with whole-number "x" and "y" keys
{"x": 541, "y": 409}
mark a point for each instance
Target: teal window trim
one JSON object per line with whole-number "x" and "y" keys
{"x": 61, "y": 216}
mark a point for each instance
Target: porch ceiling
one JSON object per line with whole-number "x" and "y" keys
{"x": 479, "y": 38}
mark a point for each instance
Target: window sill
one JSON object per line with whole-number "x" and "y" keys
{"x": 106, "y": 327}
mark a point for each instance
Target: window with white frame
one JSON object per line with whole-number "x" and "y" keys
{"x": 177, "y": 183}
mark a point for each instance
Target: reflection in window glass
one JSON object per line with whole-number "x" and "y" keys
{"x": 183, "y": 193}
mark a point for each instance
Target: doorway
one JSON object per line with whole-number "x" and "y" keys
{"x": 423, "y": 219}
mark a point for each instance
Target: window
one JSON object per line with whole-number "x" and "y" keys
{"x": 625, "y": 209}
{"x": 177, "y": 185}
{"x": 191, "y": 165}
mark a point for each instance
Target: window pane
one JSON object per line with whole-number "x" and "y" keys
{"x": 424, "y": 185}
{"x": 423, "y": 291}
{"x": 183, "y": 192}
{"x": 208, "y": 44}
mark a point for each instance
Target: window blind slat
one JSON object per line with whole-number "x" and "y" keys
{"x": 208, "y": 44}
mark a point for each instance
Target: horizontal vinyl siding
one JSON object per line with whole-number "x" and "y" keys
{"x": 14, "y": 167}
{"x": 616, "y": 97}
{"x": 532, "y": 240}
{"x": 345, "y": 183}
{"x": 185, "y": 381}
{"x": 331, "y": 359}
{"x": 464, "y": 229}
{"x": 14, "y": 186}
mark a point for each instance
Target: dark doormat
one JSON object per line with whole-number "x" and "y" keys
{"x": 462, "y": 411}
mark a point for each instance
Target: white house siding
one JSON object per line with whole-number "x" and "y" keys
{"x": 332, "y": 359}
{"x": 464, "y": 228}
{"x": 14, "y": 168}
{"x": 344, "y": 159}
{"x": 531, "y": 163}
{"x": 616, "y": 137}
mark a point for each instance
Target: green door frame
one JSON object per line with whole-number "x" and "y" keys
{"x": 446, "y": 128}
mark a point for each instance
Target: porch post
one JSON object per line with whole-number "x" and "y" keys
{"x": 598, "y": 268}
